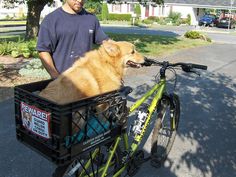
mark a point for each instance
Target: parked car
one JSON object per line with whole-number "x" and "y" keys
{"x": 208, "y": 20}
{"x": 224, "y": 23}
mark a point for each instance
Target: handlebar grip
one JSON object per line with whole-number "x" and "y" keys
{"x": 204, "y": 67}
{"x": 149, "y": 62}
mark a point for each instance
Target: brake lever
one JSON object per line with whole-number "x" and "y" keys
{"x": 188, "y": 69}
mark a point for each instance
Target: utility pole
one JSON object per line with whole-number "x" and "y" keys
{"x": 230, "y": 12}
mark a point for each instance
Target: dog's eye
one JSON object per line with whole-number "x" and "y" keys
{"x": 132, "y": 52}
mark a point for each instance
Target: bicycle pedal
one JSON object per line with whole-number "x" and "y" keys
{"x": 132, "y": 169}
{"x": 156, "y": 163}
{"x": 100, "y": 159}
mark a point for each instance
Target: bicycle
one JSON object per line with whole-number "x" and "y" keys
{"x": 167, "y": 108}
{"x": 108, "y": 152}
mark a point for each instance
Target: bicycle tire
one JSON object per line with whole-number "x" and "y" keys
{"x": 163, "y": 129}
{"x": 96, "y": 164}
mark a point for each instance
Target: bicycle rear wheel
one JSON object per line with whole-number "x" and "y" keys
{"x": 91, "y": 164}
{"x": 164, "y": 131}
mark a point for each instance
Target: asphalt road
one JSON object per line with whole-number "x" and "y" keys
{"x": 220, "y": 35}
{"x": 205, "y": 145}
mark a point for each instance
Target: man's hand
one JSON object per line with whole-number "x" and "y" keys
{"x": 47, "y": 61}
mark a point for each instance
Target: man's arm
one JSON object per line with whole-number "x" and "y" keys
{"x": 47, "y": 61}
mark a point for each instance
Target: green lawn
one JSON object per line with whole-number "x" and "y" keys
{"x": 149, "y": 45}
{"x": 153, "y": 45}
{"x": 12, "y": 22}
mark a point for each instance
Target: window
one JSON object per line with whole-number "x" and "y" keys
{"x": 116, "y": 7}
{"x": 131, "y": 8}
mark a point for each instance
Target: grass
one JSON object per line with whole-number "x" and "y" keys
{"x": 12, "y": 22}
{"x": 148, "y": 45}
{"x": 153, "y": 45}
{"x": 115, "y": 22}
{"x": 12, "y": 38}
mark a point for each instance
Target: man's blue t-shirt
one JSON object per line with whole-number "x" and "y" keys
{"x": 68, "y": 36}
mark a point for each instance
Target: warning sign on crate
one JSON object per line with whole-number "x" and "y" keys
{"x": 35, "y": 120}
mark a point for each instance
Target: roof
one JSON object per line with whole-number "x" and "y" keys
{"x": 204, "y": 3}
{"x": 224, "y": 4}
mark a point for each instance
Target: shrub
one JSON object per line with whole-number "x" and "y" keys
{"x": 189, "y": 19}
{"x": 137, "y": 10}
{"x": 7, "y": 47}
{"x": 93, "y": 7}
{"x": 192, "y": 35}
{"x": 147, "y": 21}
{"x": 20, "y": 48}
{"x": 196, "y": 35}
{"x": 99, "y": 17}
{"x": 104, "y": 11}
{"x": 34, "y": 69}
{"x": 22, "y": 17}
{"x": 162, "y": 21}
{"x": 120, "y": 17}
{"x": 174, "y": 16}
{"x": 153, "y": 18}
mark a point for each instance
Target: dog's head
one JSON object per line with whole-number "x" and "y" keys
{"x": 124, "y": 52}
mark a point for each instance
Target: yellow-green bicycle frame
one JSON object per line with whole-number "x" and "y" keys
{"x": 158, "y": 89}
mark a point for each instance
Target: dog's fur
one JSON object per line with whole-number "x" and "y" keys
{"x": 99, "y": 71}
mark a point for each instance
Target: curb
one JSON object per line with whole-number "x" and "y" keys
{"x": 221, "y": 32}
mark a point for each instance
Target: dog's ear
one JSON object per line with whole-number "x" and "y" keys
{"x": 111, "y": 48}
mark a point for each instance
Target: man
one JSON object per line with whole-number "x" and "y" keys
{"x": 66, "y": 34}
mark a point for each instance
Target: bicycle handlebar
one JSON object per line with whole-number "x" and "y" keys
{"x": 185, "y": 66}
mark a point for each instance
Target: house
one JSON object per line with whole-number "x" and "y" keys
{"x": 195, "y": 8}
{"x": 17, "y": 11}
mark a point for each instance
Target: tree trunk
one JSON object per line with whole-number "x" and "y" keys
{"x": 33, "y": 17}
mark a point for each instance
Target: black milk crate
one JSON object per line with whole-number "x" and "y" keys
{"x": 62, "y": 132}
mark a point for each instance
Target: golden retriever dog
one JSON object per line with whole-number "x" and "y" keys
{"x": 99, "y": 71}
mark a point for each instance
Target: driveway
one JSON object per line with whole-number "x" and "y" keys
{"x": 206, "y": 143}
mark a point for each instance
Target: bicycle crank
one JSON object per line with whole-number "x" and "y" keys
{"x": 136, "y": 162}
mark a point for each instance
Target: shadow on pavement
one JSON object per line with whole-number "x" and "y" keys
{"x": 206, "y": 144}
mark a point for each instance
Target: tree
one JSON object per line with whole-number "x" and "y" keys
{"x": 93, "y": 7}
{"x": 104, "y": 11}
{"x": 137, "y": 10}
{"x": 35, "y": 8}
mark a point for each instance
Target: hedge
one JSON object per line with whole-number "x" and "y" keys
{"x": 119, "y": 17}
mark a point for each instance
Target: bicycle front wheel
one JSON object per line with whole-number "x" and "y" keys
{"x": 164, "y": 131}
{"x": 91, "y": 164}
